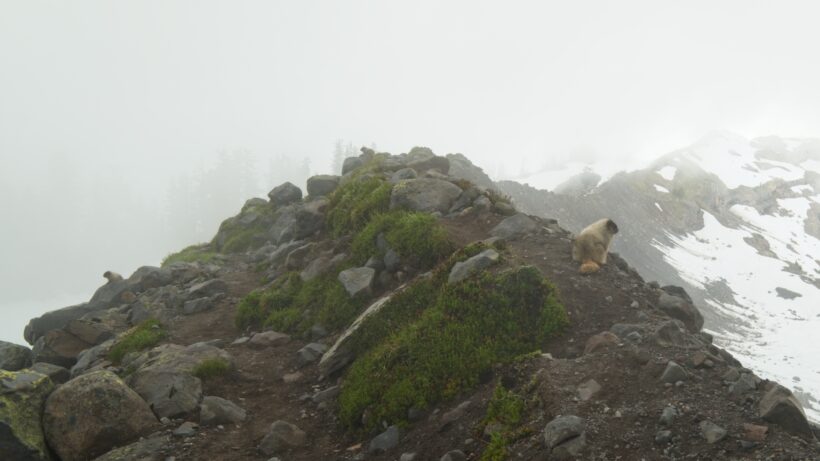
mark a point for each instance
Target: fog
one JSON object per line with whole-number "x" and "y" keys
{"x": 128, "y": 130}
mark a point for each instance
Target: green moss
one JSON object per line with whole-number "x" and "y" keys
{"x": 497, "y": 448}
{"x": 194, "y": 253}
{"x": 445, "y": 347}
{"x": 233, "y": 237}
{"x": 416, "y": 237}
{"x": 355, "y": 202}
{"x": 20, "y": 414}
{"x": 211, "y": 367}
{"x": 504, "y": 413}
{"x": 294, "y": 306}
{"x": 147, "y": 334}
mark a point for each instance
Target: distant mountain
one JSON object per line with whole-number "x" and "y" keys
{"x": 736, "y": 222}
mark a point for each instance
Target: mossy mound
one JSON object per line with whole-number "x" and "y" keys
{"x": 143, "y": 336}
{"x": 195, "y": 253}
{"x": 355, "y": 202}
{"x": 433, "y": 348}
{"x": 247, "y": 230}
{"x": 21, "y": 431}
{"x": 416, "y": 237}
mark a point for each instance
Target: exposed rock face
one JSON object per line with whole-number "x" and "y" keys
{"x": 681, "y": 309}
{"x": 22, "y": 395}
{"x": 298, "y": 221}
{"x": 216, "y": 410}
{"x": 350, "y": 164}
{"x": 320, "y": 185}
{"x": 462, "y": 270}
{"x": 779, "y": 406}
{"x": 57, "y": 319}
{"x": 424, "y": 194}
{"x": 358, "y": 280}
{"x": 514, "y": 226}
{"x": 14, "y": 357}
{"x": 59, "y": 348}
{"x": 89, "y": 331}
{"x": 281, "y": 436}
{"x": 92, "y": 414}
{"x": 284, "y": 194}
{"x": 58, "y": 375}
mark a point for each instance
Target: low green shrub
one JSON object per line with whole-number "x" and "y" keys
{"x": 145, "y": 335}
{"x": 211, "y": 367}
{"x": 416, "y": 237}
{"x": 466, "y": 328}
{"x": 355, "y": 202}
{"x": 201, "y": 253}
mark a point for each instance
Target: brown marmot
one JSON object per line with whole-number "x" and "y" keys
{"x": 112, "y": 276}
{"x": 592, "y": 245}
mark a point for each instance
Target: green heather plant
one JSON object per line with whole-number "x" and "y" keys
{"x": 145, "y": 335}
{"x": 202, "y": 253}
{"x": 436, "y": 352}
{"x": 211, "y": 367}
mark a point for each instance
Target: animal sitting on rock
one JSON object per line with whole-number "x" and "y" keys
{"x": 591, "y": 246}
{"x": 112, "y": 276}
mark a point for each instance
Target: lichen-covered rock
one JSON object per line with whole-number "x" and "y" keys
{"x": 322, "y": 184}
{"x": 357, "y": 280}
{"x": 22, "y": 396}
{"x": 285, "y": 194}
{"x": 14, "y": 357}
{"x": 91, "y": 414}
{"x": 428, "y": 195}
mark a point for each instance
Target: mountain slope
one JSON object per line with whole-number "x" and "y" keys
{"x": 734, "y": 221}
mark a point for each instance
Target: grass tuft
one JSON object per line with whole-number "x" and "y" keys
{"x": 354, "y": 203}
{"x": 211, "y": 368}
{"x": 194, "y": 253}
{"x": 145, "y": 335}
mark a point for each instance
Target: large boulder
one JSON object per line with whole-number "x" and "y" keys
{"x": 57, "y": 319}
{"x": 89, "y": 331}
{"x": 427, "y": 161}
{"x": 779, "y": 406}
{"x": 514, "y": 226}
{"x": 92, "y": 414}
{"x": 284, "y": 194}
{"x": 298, "y": 221}
{"x": 14, "y": 357}
{"x": 462, "y": 168}
{"x": 152, "y": 448}
{"x": 350, "y": 164}
{"x": 424, "y": 194}
{"x": 357, "y": 280}
{"x": 22, "y": 396}
{"x": 164, "y": 377}
{"x": 58, "y": 375}
{"x": 321, "y": 185}
{"x": 680, "y": 308}
{"x": 59, "y": 348}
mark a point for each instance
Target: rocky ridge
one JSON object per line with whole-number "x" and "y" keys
{"x": 253, "y": 346}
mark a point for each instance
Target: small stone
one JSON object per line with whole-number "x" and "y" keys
{"x": 454, "y": 455}
{"x": 292, "y": 377}
{"x": 408, "y": 457}
{"x": 754, "y": 433}
{"x": 562, "y": 429}
{"x": 731, "y": 375}
{"x": 635, "y": 305}
{"x": 712, "y": 432}
{"x": 600, "y": 341}
{"x": 746, "y": 383}
{"x": 268, "y": 339}
{"x": 588, "y": 389}
{"x": 327, "y": 394}
{"x": 453, "y": 415}
{"x": 240, "y": 341}
{"x": 668, "y": 416}
{"x": 282, "y": 435}
{"x": 663, "y": 437}
{"x": 310, "y": 353}
{"x": 479, "y": 262}
{"x": 357, "y": 280}
{"x": 385, "y": 441}
{"x": 673, "y": 373}
{"x": 187, "y": 429}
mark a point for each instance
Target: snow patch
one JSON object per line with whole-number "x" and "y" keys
{"x": 802, "y": 188}
{"x": 661, "y": 189}
{"x": 668, "y": 172}
{"x": 659, "y": 207}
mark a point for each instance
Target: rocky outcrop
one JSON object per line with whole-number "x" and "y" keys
{"x": 321, "y": 185}
{"x": 284, "y": 194}
{"x": 682, "y": 309}
{"x": 14, "y": 357}
{"x": 22, "y": 396}
{"x": 779, "y": 406}
{"x": 92, "y": 414}
{"x": 424, "y": 194}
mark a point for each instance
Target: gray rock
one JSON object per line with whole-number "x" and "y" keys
{"x": 673, "y": 333}
{"x": 198, "y": 305}
{"x": 402, "y": 174}
{"x": 207, "y": 289}
{"x": 92, "y": 414}
{"x": 327, "y": 394}
{"x": 91, "y": 358}
{"x": 745, "y": 383}
{"x": 623, "y": 330}
{"x": 779, "y": 406}
{"x": 358, "y": 280}
{"x": 570, "y": 449}
{"x": 563, "y": 428}
{"x": 186, "y": 429}
{"x": 588, "y": 389}
{"x": 392, "y": 260}
{"x": 385, "y": 441}
{"x": 284, "y": 194}
{"x": 674, "y": 373}
{"x": 315, "y": 268}
{"x": 310, "y": 353}
{"x": 317, "y": 332}
{"x": 269, "y": 339}
{"x": 731, "y": 375}
{"x": 298, "y": 221}
{"x": 350, "y": 164}
{"x": 668, "y": 416}
{"x": 216, "y": 410}
{"x": 22, "y": 395}
{"x": 14, "y": 357}
{"x": 170, "y": 393}
{"x": 504, "y": 209}
{"x": 58, "y": 347}
{"x": 515, "y": 226}
{"x": 148, "y": 449}
{"x": 320, "y": 185}
{"x": 408, "y": 457}
{"x": 712, "y": 432}
{"x": 482, "y": 203}
{"x": 462, "y": 270}
{"x": 681, "y": 309}
{"x": 454, "y": 455}
{"x": 663, "y": 437}
{"x": 281, "y": 436}
{"x": 58, "y": 319}
{"x": 453, "y": 415}
{"x": 58, "y": 375}
{"x": 425, "y": 194}
{"x": 89, "y": 331}
{"x": 425, "y": 163}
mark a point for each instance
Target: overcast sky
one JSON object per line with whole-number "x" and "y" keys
{"x": 147, "y": 90}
